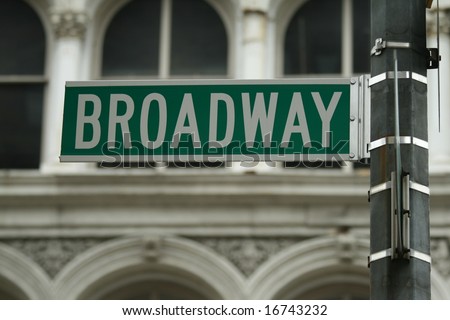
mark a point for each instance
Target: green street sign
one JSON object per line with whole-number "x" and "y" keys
{"x": 233, "y": 120}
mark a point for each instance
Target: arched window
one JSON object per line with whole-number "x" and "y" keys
{"x": 22, "y": 56}
{"x": 131, "y": 42}
{"x": 313, "y": 39}
{"x": 9, "y": 291}
{"x": 153, "y": 290}
{"x": 340, "y": 291}
{"x": 361, "y": 36}
{"x": 165, "y": 38}
{"x": 337, "y": 286}
{"x": 162, "y": 39}
{"x": 328, "y": 37}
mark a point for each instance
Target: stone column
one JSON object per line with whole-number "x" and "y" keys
{"x": 254, "y": 38}
{"x": 438, "y": 141}
{"x": 254, "y": 61}
{"x": 69, "y": 22}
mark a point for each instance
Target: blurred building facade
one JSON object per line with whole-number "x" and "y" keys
{"x": 189, "y": 231}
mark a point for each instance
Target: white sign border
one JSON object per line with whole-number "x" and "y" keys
{"x": 354, "y": 105}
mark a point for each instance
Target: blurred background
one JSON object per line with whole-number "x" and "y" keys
{"x": 277, "y": 230}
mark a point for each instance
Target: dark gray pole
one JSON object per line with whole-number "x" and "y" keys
{"x": 399, "y": 212}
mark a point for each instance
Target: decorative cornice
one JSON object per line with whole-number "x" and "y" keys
{"x": 190, "y": 187}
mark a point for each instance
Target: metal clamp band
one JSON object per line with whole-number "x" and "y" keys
{"x": 381, "y": 187}
{"x": 401, "y": 75}
{"x": 381, "y": 44}
{"x": 388, "y": 253}
{"x": 419, "y": 187}
{"x": 420, "y": 255}
{"x": 391, "y": 140}
{"x": 380, "y": 255}
{"x": 388, "y": 185}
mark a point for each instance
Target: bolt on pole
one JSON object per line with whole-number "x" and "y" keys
{"x": 399, "y": 258}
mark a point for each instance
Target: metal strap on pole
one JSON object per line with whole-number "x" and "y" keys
{"x": 391, "y": 140}
{"x": 400, "y": 74}
{"x": 388, "y": 253}
{"x": 388, "y": 185}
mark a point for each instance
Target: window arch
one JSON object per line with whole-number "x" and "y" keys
{"x": 119, "y": 268}
{"x": 328, "y": 37}
{"x": 331, "y": 267}
{"x": 165, "y": 38}
{"x": 21, "y": 277}
{"x": 22, "y": 52}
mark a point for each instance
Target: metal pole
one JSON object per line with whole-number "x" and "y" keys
{"x": 399, "y": 196}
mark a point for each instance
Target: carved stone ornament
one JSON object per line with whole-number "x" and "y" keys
{"x": 440, "y": 255}
{"x": 152, "y": 248}
{"x": 247, "y": 254}
{"x": 69, "y": 23}
{"x": 53, "y": 254}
